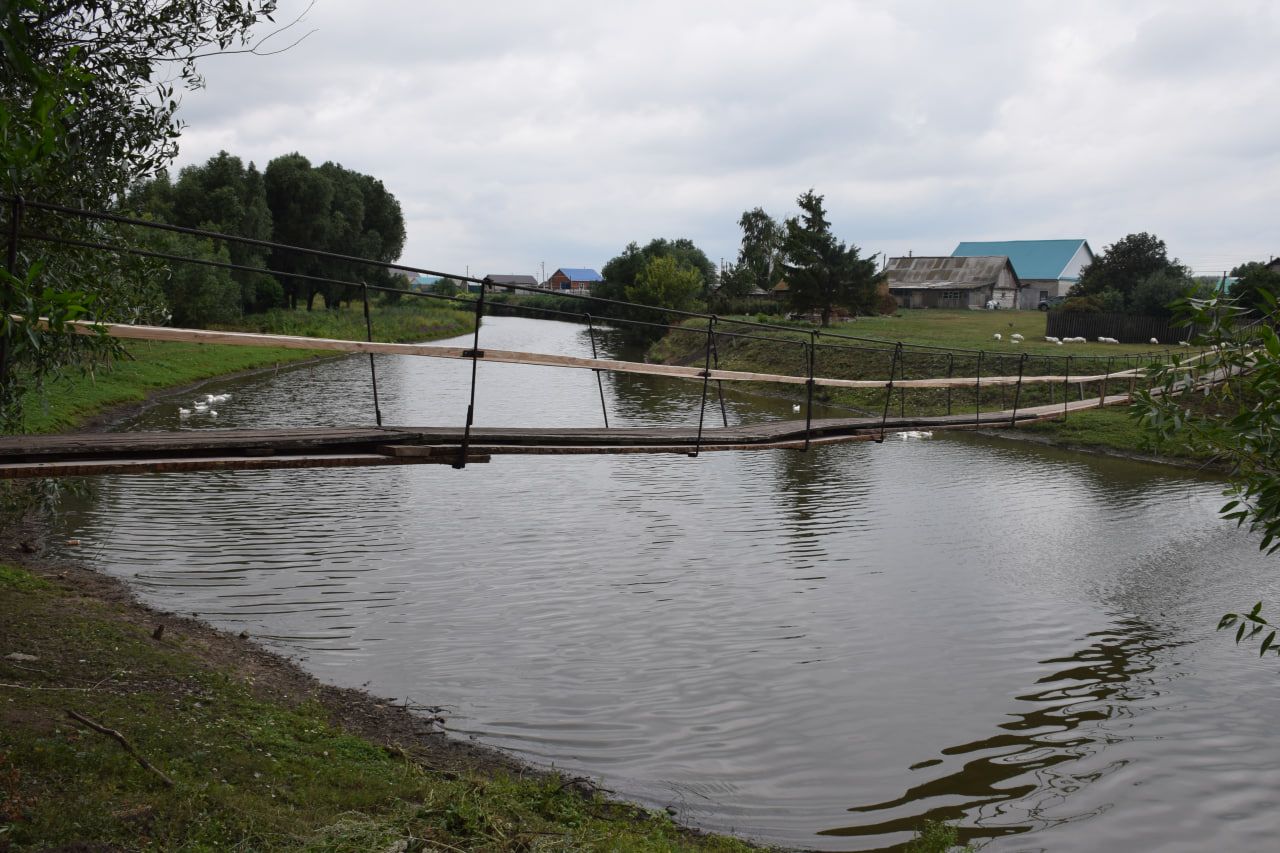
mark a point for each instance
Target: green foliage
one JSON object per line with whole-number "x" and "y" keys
{"x": 255, "y": 766}
{"x": 82, "y": 119}
{"x": 625, "y": 268}
{"x": 760, "y": 256}
{"x": 1123, "y": 265}
{"x": 666, "y": 283}
{"x": 1243, "y": 431}
{"x": 936, "y": 837}
{"x": 821, "y": 271}
{"x": 335, "y": 210}
{"x": 1252, "y": 279}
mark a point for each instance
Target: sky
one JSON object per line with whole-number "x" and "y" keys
{"x": 521, "y": 134}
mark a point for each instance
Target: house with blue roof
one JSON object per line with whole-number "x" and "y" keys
{"x": 578, "y": 279}
{"x": 1046, "y": 268}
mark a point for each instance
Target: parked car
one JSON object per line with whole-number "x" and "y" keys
{"x": 1051, "y": 302}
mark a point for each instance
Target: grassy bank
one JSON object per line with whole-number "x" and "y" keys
{"x": 259, "y": 756}
{"x": 938, "y": 343}
{"x": 152, "y": 367}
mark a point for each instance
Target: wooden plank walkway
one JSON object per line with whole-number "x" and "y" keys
{"x": 83, "y": 454}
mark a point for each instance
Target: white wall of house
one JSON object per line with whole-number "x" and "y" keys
{"x": 1078, "y": 260}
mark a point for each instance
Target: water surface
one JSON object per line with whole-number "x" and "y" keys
{"x": 816, "y": 650}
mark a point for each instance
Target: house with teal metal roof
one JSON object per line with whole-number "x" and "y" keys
{"x": 1046, "y": 268}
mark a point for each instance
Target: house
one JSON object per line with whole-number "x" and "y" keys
{"x": 574, "y": 279}
{"x": 506, "y": 282}
{"x": 1047, "y": 268}
{"x": 423, "y": 282}
{"x": 953, "y": 282}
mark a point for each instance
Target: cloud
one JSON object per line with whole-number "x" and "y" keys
{"x": 519, "y": 133}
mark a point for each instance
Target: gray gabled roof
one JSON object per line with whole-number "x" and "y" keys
{"x": 947, "y": 273}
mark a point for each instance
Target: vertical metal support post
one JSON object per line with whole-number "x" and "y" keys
{"x": 715, "y": 359}
{"x": 888, "y": 391}
{"x": 1017, "y": 393}
{"x": 591, "y": 330}
{"x": 373, "y": 373}
{"x": 476, "y": 353}
{"x": 1066, "y": 388}
{"x": 902, "y": 392}
{"x": 977, "y": 393}
{"x": 7, "y": 302}
{"x": 808, "y": 404}
{"x": 951, "y": 363}
{"x": 706, "y": 378}
{"x": 1102, "y": 391}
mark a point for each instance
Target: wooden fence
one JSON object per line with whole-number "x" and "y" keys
{"x": 1126, "y": 328}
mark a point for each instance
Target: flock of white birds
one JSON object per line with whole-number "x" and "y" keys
{"x": 1016, "y": 338}
{"x": 203, "y": 406}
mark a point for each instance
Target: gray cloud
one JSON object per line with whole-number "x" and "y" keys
{"x": 518, "y": 133}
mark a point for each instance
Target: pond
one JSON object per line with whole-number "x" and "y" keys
{"x": 816, "y": 650}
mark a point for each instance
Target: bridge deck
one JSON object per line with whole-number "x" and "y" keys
{"x": 81, "y": 454}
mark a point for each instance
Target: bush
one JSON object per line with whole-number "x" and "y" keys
{"x": 1082, "y": 305}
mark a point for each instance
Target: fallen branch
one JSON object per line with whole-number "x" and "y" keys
{"x": 123, "y": 741}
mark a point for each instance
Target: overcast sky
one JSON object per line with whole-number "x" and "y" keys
{"x": 520, "y": 133}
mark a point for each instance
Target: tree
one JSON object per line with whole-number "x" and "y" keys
{"x": 332, "y": 209}
{"x": 667, "y": 283}
{"x": 220, "y": 195}
{"x": 1236, "y": 421}
{"x": 1124, "y": 264}
{"x": 820, "y": 270}
{"x": 1155, "y": 295}
{"x": 759, "y": 258}
{"x": 625, "y": 268}
{"x": 88, "y": 110}
{"x": 1251, "y": 280}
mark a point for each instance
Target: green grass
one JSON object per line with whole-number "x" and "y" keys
{"x": 251, "y": 772}
{"x": 1113, "y": 428}
{"x": 408, "y": 320}
{"x": 154, "y": 366}
{"x": 960, "y": 334}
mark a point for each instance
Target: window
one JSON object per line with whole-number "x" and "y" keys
{"x": 953, "y": 295}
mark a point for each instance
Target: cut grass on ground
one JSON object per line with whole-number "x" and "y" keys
{"x": 251, "y": 768}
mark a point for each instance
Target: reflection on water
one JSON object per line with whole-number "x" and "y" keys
{"x": 814, "y": 649}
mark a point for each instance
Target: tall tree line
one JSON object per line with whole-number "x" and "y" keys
{"x": 326, "y": 207}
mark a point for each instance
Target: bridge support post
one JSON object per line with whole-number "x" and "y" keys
{"x": 591, "y": 330}
{"x": 373, "y": 373}
{"x": 1102, "y": 394}
{"x": 706, "y": 377}
{"x": 1017, "y": 392}
{"x": 1066, "y": 388}
{"x": 977, "y": 393}
{"x": 888, "y": 391}
{"x": 951, "y": 359}
{"x": 808, "y": 404}
{"x": 715, "y": 359}
{"x": 476, "y": 353}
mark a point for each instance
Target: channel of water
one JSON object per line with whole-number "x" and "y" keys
{"x": 816, "y": 650}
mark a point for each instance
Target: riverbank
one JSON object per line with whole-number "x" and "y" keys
{"x": 152, "y": 369}
{"x": 125, "y": 728}
{"x": 1112, "y": 430}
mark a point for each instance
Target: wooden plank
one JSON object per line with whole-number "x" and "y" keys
{"x": 88, "y": 468}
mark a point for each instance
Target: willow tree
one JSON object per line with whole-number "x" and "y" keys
{"x": 88, "y": 104}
